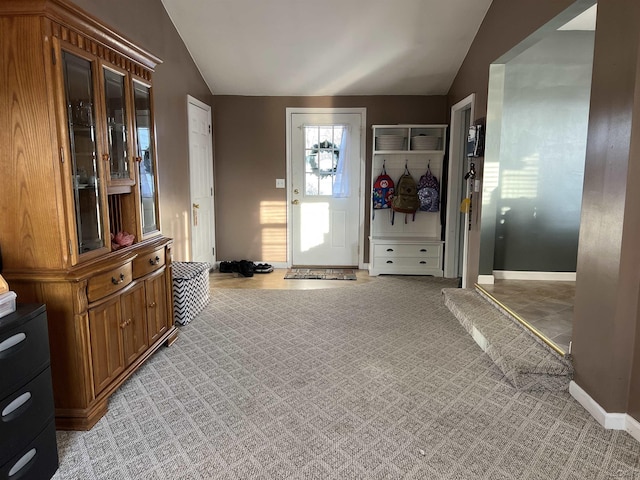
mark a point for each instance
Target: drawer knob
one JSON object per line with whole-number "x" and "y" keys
{"x": 11, "y": 342}
{"x": 389, "y": 261}
{"x": 152, "y": 304}
{"x": 423, "y": 249}
{"x": 16, "y": 407}
{"x": 116, "y": 281}
{"x": 389, "y": 249}
{"x": 154, "y": 261}
{"x": 125, "y": 324}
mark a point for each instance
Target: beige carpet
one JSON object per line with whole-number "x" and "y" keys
{"x": 374, "y": 381}
{"x": 525, "y": 360}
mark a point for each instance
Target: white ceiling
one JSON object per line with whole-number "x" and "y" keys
{"x": 328, "y": 47}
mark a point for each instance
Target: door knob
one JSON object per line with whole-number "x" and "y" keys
{"x": 295, "y": 202}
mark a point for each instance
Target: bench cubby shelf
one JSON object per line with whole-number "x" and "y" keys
{"x": 409, "y": 246}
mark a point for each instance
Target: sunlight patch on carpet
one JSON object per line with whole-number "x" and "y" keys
{"x": 320, "y": 274}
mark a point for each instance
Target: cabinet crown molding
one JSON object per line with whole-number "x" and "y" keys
{"x": 64, "y": 12}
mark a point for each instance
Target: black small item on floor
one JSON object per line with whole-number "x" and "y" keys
{"x": 228, "y": 267}
{"x": 245, "y": 268}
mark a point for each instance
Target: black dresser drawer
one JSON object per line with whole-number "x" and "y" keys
{"x": 36, "y": 461}
{"x": 24, "y": 346}
{"x": 23, "y": 415}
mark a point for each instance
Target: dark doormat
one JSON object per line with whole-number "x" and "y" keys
{"x": 320, "y": 274}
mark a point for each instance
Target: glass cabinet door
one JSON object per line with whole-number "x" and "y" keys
{"x": 117, "y": 141}
{"x": 85, "y": 174}
{"x": 146, "y": 157}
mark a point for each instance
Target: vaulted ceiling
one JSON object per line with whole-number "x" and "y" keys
{"x": 328, "y": 47}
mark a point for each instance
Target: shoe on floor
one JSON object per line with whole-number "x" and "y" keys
{"x": 246, "y": 268}
{"x": 263, "y": 268}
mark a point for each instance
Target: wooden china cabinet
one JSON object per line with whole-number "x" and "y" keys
{"x": 79, "y": 200}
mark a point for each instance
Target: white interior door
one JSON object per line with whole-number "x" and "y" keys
{"x": 201, "y": 182}
{"x": 457, "y": 222}
{"x": 324, "y": 188}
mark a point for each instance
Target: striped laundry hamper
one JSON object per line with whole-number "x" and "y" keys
{"x": 190, "y": 289}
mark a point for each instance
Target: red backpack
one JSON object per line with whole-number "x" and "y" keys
{"x": 383, "y": 191}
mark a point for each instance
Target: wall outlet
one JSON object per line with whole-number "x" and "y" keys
{"x": 279, "y": 182}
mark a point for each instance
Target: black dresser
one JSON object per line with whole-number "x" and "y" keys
{"x": 28, "y": 447}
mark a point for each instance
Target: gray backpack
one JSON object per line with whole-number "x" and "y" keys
{"x": 429, "y": 192}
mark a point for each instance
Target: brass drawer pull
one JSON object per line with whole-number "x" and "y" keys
{"x": 126, "y": 323}
{"x": 152, "y": 304}
{"x": 154, "y": 261}
{"x": 116, "y": 281}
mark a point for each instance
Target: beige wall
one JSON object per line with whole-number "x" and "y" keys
{"x": 250, "y": 154}
{"x": 147, "y": 24}
{"x": 606, "y": 329}
{"x": 506, "y": 24}
{"x": 250, "y": 146}
{"x": 606, "y": 346}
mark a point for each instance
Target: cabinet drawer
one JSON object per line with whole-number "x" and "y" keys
{"x": 431, "y": 250}
{"x": 148, "y": 262}
{"x": 106, "y": 283}
{"x": 414, "y": 262}
{"x": 38, "y": 460}
{"x": 24, "y": 413}
{"x": 24, "y": 351}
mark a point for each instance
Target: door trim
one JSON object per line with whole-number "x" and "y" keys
{"x": 456, "y": 165}
{"x": 194, "y": 101}
{"x": 362, "y": 111}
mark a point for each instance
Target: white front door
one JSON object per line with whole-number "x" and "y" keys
{"x": 324, "y": 188}
{"x": 201, "y": 182}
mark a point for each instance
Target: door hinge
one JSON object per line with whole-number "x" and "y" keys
{"x": 70, "y": 248}
{"x": 212, "y": 191}
{"x": 209, "y": 128}
{"x": 213, "y": 251}
{"x": 53, "y": 55}
{"x": 61, "y": 155}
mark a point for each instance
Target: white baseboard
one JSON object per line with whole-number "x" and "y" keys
{"x": 547, "y": 276}
{"x": 486, "y": 279}
{"x": 612, "y": 421}
{"x": 276, "y": 264}
{"x": 633, "y": 427}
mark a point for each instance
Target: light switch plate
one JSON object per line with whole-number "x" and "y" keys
{"x": 279, "y": 182}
